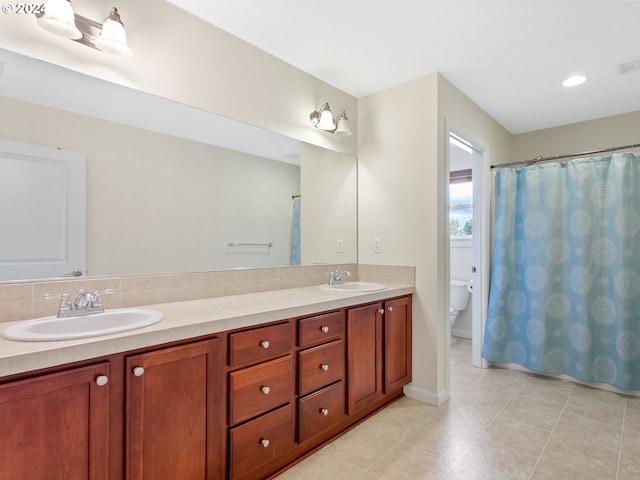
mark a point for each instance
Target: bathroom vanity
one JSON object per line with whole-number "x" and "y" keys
{"x": 228, "y": 388}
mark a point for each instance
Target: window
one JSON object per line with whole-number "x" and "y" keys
{"x": 460, "y": 203}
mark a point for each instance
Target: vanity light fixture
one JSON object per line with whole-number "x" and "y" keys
{"x": 59, "y": 18}
{"x": 112, "y": 37}
{"x": 323, "y": 119}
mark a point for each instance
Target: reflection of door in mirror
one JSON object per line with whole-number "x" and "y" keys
{"x": 42, "y": 211}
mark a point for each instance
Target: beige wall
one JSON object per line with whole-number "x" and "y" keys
{"x": 402, "y": 199}
{"x": 578, "y": 137}
{"x": 398, "y": 202}
{"x": 328, "y": 207}
{"x": 162, "y": 204}
{"x": 180, "y": 57}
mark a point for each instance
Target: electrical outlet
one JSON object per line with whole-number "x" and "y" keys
{"x": 377, "y": 246}
{"x": 340, "y": 246}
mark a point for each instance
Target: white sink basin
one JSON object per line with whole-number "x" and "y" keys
{"x": 354, "y": 287}
{"x": 53, "y": 328}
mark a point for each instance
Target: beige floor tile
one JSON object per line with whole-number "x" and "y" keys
{"x": 597, "y": 404}
{"x": 577, "y": 457}
{"x": 530, "y": 410}
{"x": 549, "y": 471}
{"x": 490, "y": 462}
{"x": 413, "y": 408}
{"x": 631, "y": 441}
{"x": 362, "y": 446}
{"x": 633, "y": 403}
{"x": 446, "y": 441}
{"x": 502, "y": 380}
{"x": 630, "y": 466}
{"x": 464, "y": 418}
{"x": 321, "y": 466}
{"x": 394, "y": 424}
{"x": 587, "y": 433}
{"x": 405, "y": 462}
{"x": 632, "y": 412}
{"x": 547, "y": 391}
{"x": 516, "y": 435}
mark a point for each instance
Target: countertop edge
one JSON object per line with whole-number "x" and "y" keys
{"x": 189, "y": 319}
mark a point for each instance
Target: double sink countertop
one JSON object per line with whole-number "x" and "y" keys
{"x": 188, "y": 319}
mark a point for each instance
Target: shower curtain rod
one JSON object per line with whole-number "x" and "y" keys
{"x": 533, "y": 161}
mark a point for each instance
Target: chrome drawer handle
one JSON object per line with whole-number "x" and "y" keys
{"x": 264, "y": 442}
{"x": 390, "y": 309}
{"x": 265, "y": 344}
{"x": 381, "y": 311}
{"x": 324, "y": 411}
{"x": 138, "y": 371}
{"x": 102, "y": 380}
{"x": 324, "y": 367}
{"x": 266, "y": 390}
{"x": 325, "y": 329}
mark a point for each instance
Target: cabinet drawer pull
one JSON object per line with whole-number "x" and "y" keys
{"x": 390, "y": 309}
{"x": 381, "y": 311}
{"x": 102, "y": 380}
{"x": 324, "y": 329}
{"x": 265, "y": 344}
{"x": 264, "y": 442}
{"x": 138, "y": 371}
{"x": 324, "y": 367}
{"x": 265, "y": 390}
{"x": 324, "y": 411}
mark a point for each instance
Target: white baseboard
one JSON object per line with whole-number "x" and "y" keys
{"x": 426, "y": 396}
{"x": 462, "y": 334}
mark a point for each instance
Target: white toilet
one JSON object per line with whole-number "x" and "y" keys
{"x": 459, "y": 299}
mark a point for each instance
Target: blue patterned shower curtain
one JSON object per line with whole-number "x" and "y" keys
{"x": 565, "y": 282}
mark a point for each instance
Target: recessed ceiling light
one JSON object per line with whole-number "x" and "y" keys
{"x": 574, "y": 81}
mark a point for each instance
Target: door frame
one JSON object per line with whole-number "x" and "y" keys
{"x": 481, "y": 174}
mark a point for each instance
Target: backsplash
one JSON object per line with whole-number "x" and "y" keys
{"x": 21, "y": 301}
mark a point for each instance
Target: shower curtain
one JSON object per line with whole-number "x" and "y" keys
{"x": 565, "y": 283}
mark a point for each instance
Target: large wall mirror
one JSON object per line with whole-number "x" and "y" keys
{"x": 173, "y": 189}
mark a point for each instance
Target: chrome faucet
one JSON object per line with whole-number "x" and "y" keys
{"x": 337, "y": 277}
{"x": 87, "y": 303}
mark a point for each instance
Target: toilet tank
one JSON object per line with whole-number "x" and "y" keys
{"x": 458, "y": 294}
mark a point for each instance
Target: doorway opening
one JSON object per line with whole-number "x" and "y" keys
{"x": 469, "y": 246}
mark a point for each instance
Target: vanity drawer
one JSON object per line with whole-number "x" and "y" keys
{"x": 258, "y": 389}
{"x": 256, "y": 443}
{"x": 320, "y": 366}
{"x": 321, "y": 328}
{"x": 259, "y": 343}
{"x": 321, "y": 410}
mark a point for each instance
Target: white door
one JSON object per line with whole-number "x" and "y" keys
{"x": 42, "y": 212}
{"x": 481, "y": 242}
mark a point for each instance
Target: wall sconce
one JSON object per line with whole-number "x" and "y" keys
{"x": 323, "y": 119}
{"x": 59, "y": 19}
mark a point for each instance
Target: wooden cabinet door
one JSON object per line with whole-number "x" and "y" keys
{"x": 173, "y": 413}
{"x": 56, "y": 426}
{"x": 397, "y": 344}
{"x": 364, "y": 355}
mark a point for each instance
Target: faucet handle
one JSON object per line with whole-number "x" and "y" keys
{"x": 97, "y": 296}
{"x": 65, "y": 304}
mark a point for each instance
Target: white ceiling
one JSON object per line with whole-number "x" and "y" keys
{"x": 508, "y": 56}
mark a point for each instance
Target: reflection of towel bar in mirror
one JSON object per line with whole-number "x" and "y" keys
{"x": 239, "y": 244}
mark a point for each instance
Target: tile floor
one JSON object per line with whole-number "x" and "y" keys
{"x": 499, "y": 425}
